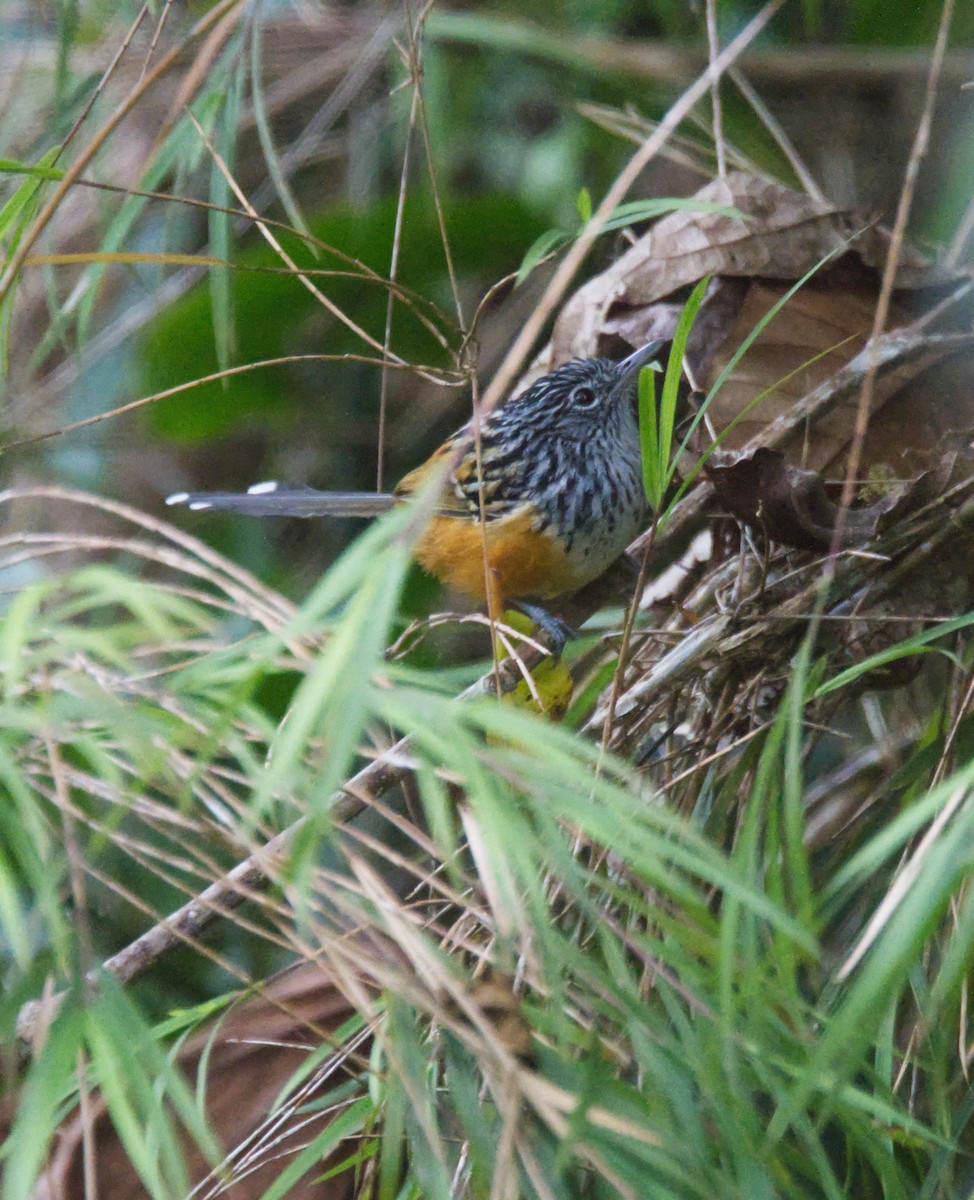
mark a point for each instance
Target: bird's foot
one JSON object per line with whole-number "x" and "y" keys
{"x": 559, "y": 632}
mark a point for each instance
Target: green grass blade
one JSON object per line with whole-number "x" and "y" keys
{"x": 673, "y": 376}
{"x": 649, "y": 438}
{"x": 540, "y": 248}
{"x": 905, "y": 649}
{"x": 42, "y": 1103}
{"x": 656, "y": 424}
{"x": 735, "y": 358}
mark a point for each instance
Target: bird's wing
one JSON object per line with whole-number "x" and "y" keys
{"x": 460, "y": 495}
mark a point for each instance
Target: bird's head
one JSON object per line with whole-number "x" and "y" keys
{"x": 583, "y": 393}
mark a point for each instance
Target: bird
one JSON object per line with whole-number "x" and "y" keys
{"x": 550, "y": 497}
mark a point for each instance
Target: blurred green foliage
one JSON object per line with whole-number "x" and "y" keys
{"x": 275, "y": 316}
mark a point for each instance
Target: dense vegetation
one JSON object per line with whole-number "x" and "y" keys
{"x": 710, "y": 934}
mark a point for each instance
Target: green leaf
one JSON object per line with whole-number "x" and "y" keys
{"x": 348, "y": 1123}
{"x": 11, "y": 166}
{"x": 635, "y": 211}
{"x": 220, "y": 227}
{"x": 15, "y": 216}
{"x": 674, "y": 374}
{"x": 42, "y": 1103}
{"x": 336, "y": 696}
{"x": 143, "y": 1092}
{"x": 583, "y": 202}
{"x": 905, "y": 649}
{"x": 265, "y": 132}
{"x": 649, "y": 437}
{"x": 540, "y": 248}
{"x": 656, "y": 424}
{"x": 625, "y": 214}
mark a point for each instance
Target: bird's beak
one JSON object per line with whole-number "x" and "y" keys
{"x": 630, "y": 367}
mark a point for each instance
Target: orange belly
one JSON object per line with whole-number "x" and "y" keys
{"x": 520, "y": 561}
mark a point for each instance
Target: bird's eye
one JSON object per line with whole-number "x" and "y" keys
{"x": 584, "y": 397}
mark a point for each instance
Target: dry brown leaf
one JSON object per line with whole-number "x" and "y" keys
{"x": 792, "y": 506}
{"x": 819, "y": 330}
{"x": 781, "y": 235}
{"x": 923, "y": 392}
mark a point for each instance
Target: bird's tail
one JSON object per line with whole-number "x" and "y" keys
{"x": 283, "y": 500}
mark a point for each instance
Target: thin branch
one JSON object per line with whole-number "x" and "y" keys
{"x": 958, "y": 245}
{"x": 393, "y": 270}
{"x": 807, "y": 67}
{"x": 102, "y": 83}
{"x": 157, "y": 34}
{"x": 618, "y": 675}
{"x": 43, "y": 218}
{"x": 713, "y": 48}
{"x": 275, "y": 244}
{"x": 920, "y": 143}
{"x": 567, "y": 269}
{"x": 783, "y": 141}
{"x": 431, "y": 168}
{"x": 243, "y": 368}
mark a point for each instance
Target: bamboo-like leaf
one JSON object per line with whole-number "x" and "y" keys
{"x": 220, "y": 229}
{"x": 410, "y": 1060}
{"x": 649, "y": 436}
{"x": 10, "y": 166}
{"x": 42, "y": 1103}
{"x": 656, "y": 423}
{"x": 336, "y": 697}
{"x": 540, "y": 248}
{"x": 265, "y": 133}
{"x": 916, "y": 644}
{"x": 15, "y": 216}
{"x": 136, "y": 1078}
{"x": 621, "y": 217}
{"x": 860, "y": 1009}
{"x": 635, "y": 211}
{"x": 393, "y": 1136}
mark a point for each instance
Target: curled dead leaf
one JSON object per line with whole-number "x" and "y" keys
{"x": 781, "y": 235}
{"x": 788, "y": 504}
